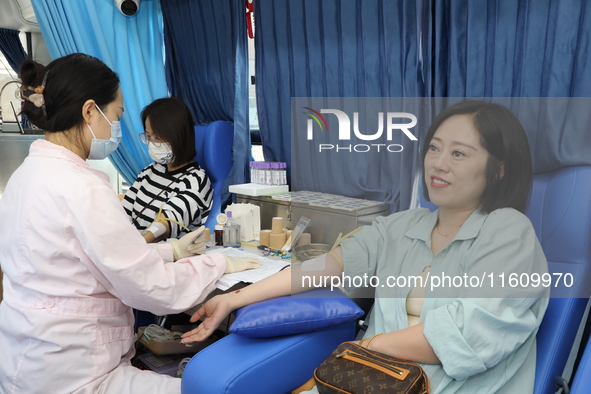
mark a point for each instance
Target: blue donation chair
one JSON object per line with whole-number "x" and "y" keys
{"x": 560, "y": 210}
{"x": 213, "y": 143}
{"x": 242, "y": 365}
{"x": 582, "y": 379}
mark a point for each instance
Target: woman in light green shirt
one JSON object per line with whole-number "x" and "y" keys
{"x": 469, "y": 329}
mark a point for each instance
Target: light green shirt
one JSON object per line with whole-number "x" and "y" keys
{"x": 485, "y": 344}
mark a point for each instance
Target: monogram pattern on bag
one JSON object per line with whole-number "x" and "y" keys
{"x": 345, "y": 371}
{"x": 397, "y": 385}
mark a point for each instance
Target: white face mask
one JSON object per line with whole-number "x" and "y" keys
{"x": 160, "y": 154}
{"x": 101, "y": 149}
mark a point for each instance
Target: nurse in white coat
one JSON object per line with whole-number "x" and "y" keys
{"x": 73, "y": 265}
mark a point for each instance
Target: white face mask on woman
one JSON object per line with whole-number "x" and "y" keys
{"x": 101, "y": 149}
{"x": 161, "y": 154}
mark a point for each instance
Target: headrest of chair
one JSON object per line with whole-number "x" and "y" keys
{"x": 200, "y": 131}
{"x": 560, "y": 210}
{"x": 213, "y": 143}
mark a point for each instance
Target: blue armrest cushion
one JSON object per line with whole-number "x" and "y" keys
{"x": 290, "y": 315}
{"x": 236, "y": 364}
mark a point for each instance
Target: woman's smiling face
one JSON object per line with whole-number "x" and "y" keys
{"x": 455, "y": 165}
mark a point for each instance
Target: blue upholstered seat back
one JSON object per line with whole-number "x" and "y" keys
{"x": 213, "y": 143}
{"x": 582, "y": 378}
{"x": 560, "y": 210}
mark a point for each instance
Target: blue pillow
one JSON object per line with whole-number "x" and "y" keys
{"x": 290, "y": 315}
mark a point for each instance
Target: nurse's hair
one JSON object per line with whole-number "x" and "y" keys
{"x": 504, "y": 138}
{"x": 65, "y": 85}
{"x": 172, "y": 122}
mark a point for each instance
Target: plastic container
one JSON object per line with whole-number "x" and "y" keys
{"x": 275, "y": 174}
{"x": 165, "y": 347}
{"x": 309, "y": 251}
{"x": 231, "y": 233}
{"x": 252, "y": 171}
{"x": 284, "y": 173}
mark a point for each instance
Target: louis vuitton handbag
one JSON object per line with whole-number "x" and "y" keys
{"x": 354, "y": 369}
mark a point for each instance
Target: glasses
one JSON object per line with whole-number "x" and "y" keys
{"x": 150, "y": 138}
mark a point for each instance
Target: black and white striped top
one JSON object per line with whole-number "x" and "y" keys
{"x": 185, "y": 192}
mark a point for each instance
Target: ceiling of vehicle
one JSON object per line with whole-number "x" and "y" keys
{"x": 18, "y": 15}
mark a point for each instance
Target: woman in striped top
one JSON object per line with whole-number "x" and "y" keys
{"x": 173, "y": 195}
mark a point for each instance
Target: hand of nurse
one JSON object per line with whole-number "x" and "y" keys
{"x": 238, "y": 264}
{"x": 190, "y": 244}
{"x": 216, "y": 311}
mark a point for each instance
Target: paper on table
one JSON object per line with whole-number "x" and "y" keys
{"x": 268, "y": 268}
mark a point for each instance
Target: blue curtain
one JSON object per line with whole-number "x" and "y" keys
{"x": 131, "y": 46}
{"x": 207, "y": 67}
{"x": 11, "y": 47}
{"x": 338, "y": 48}
{"x": 528, "y": 48}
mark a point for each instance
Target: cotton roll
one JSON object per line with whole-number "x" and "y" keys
{"x": 277, "y": 225}
{"x": 265, "y": 238}
{"x": 305, "y": 239}
{"x": 277, "y": 240}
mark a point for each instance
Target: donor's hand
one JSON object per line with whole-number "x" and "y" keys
{"x": 216, "y": 311}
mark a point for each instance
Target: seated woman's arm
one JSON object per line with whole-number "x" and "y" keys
{"x": 159, "y": 230}
{"x": 188, "y": 206}
{"x": 409, "y": 344}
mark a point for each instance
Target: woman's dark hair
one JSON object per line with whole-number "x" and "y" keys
{"x": 71, "y": 81}
{"x": 171, "y": 121}
{"x": 503, "y": 136}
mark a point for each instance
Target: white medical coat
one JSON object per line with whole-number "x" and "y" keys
{"x": 73, "y": 268}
